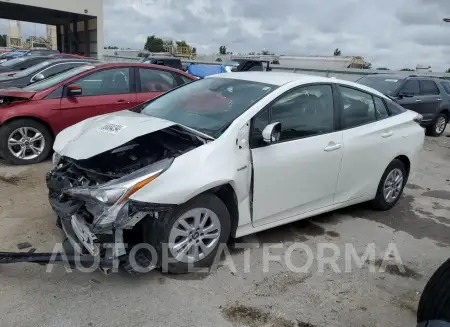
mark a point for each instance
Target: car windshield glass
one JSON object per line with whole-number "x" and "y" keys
{"x": 45, "y": 84}
{"x": 208, "y": 105}
{"x": 32, "y": 69}
{"x": 384, "y": 84}
{"x": 12, "y": 62}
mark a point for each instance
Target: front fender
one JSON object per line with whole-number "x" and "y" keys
{"x": 211, "y": 165}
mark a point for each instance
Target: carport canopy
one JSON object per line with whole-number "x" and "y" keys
{"x": 28, "y": 13}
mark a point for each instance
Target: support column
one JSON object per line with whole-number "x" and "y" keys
{"x": 75, "y": 37}
{"x": 66, "y": 44}
{"x": 87, "y": 39}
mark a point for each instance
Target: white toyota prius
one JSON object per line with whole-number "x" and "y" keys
{"x": 228, "y": 155}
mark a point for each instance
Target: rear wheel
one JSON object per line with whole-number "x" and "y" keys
{"x": 25, "y": 141}
{"x": 434, "y": 303}
{"x": 391, "y": 186}
{"x": 438, "y": 126}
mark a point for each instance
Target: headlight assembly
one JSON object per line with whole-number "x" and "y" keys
{"x": 109, "y": 202}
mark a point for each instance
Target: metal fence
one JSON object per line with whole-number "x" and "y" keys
{"x": 350, "y": 74}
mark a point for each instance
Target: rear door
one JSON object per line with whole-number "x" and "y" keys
{"x": 152, "y": 82}
{"x": 430, "y": 99}
{"x": 103, "y": 91}
{"x": 370, "y": 141}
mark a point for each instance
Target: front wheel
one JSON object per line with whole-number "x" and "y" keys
{"x": 439, "y": 125}
{"x": 192, "y": 234}
{"x": 391, "y": 186}
{"x": 25, "y": 141}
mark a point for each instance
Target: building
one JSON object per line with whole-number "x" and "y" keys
{"x": 78, "y": 24}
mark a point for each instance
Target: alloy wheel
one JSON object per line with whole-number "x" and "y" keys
{"x": 194, "y": 235}
{"x": 393, "y": 185}
{"x": 26, "y": 143}
{"x": 440, "y": 124}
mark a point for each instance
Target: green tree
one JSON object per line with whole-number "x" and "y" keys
{"x": 154, "y": 44}
{"x": 406, "y": 70}
{"x": 3, "y": 42}
{"x": 194, "y": 50}
{"x": 337, "y": 52}
{"x": 382, "y": 68}
{"x": 222, "y": 50}
{"x": 448, "y": 70}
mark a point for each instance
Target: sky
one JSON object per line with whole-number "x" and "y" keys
{"x": 388, "y": 33}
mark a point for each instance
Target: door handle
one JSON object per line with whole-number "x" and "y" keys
{"x": 332, "y": 147}
{"x": 439, "y": 99}
{"x": 122, "y": 101}
{"x": 387, "y": 134}
{"x": 418, "y": 100}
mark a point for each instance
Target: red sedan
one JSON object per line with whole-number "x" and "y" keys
{"x": 31, "y": 117}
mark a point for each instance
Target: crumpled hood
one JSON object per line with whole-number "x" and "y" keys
{"x": 106, "y": 132}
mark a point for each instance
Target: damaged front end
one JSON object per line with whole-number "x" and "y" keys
{"x": 91, "y": 197}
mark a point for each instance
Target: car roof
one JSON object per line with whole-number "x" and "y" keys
{"x": 138, "y": 64}
{"x": 279, "y": 78}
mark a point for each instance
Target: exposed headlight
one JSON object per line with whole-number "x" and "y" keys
{"x": 111, "y": 199}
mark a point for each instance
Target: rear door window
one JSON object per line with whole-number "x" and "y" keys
{"x": 428, "y": 88}
{"x": 155, "y": 80}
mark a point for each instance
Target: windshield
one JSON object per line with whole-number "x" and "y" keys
{"x": 384, "y": 84}
{"x": 208, "y": 105}
{"x": 32, "y": 69}
{"x": 49, "y": 82}
{"x": 12, "y": 62}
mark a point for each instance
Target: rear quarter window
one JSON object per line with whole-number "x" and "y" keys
{"x": 446, "y": 86}
{"x": 394, "y": 107}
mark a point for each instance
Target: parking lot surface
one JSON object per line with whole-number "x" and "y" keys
{"x": 344, "y": 295}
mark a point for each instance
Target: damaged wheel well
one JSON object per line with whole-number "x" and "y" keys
{"x": 228, "y": 196}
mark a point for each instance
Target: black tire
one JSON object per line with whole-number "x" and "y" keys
{"x": 431, "y": 130}
{"x": 380, "y": 203}
{"x": 160, "y": 230}
{"x": 434, "y": 304}
{"x": 8, "y": 128}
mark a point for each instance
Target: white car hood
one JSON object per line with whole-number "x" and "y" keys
{"x": 106, "y": 132}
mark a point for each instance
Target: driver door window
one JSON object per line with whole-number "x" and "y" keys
{"x": 105, "y": 82}
{"x": 304, "y": 112}
{"x": 411, "y": 87}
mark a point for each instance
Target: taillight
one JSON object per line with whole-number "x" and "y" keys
{"x": 418, "y": 119}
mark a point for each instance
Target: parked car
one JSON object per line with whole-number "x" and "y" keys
{"x": 11, "y": 55}
{"x": 31, "y": 117}
{"x": 429, "y": 96}
{"x": 164, "y": 61}
{"x": 20, "y": 63}
{"x": 41, "y": 71}
{"x": 66, "y": 55}
{"x": 233, "y": 153}
{"x": 41, "y": 52}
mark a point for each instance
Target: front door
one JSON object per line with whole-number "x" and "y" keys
{"x": 103, "y": 92}
{"x": 299, "y": 173}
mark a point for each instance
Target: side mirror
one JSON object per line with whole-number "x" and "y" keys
{"x": 271, "y": 133}
{"x": 37, "y": 78}
{"x": 74, "y": 90}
